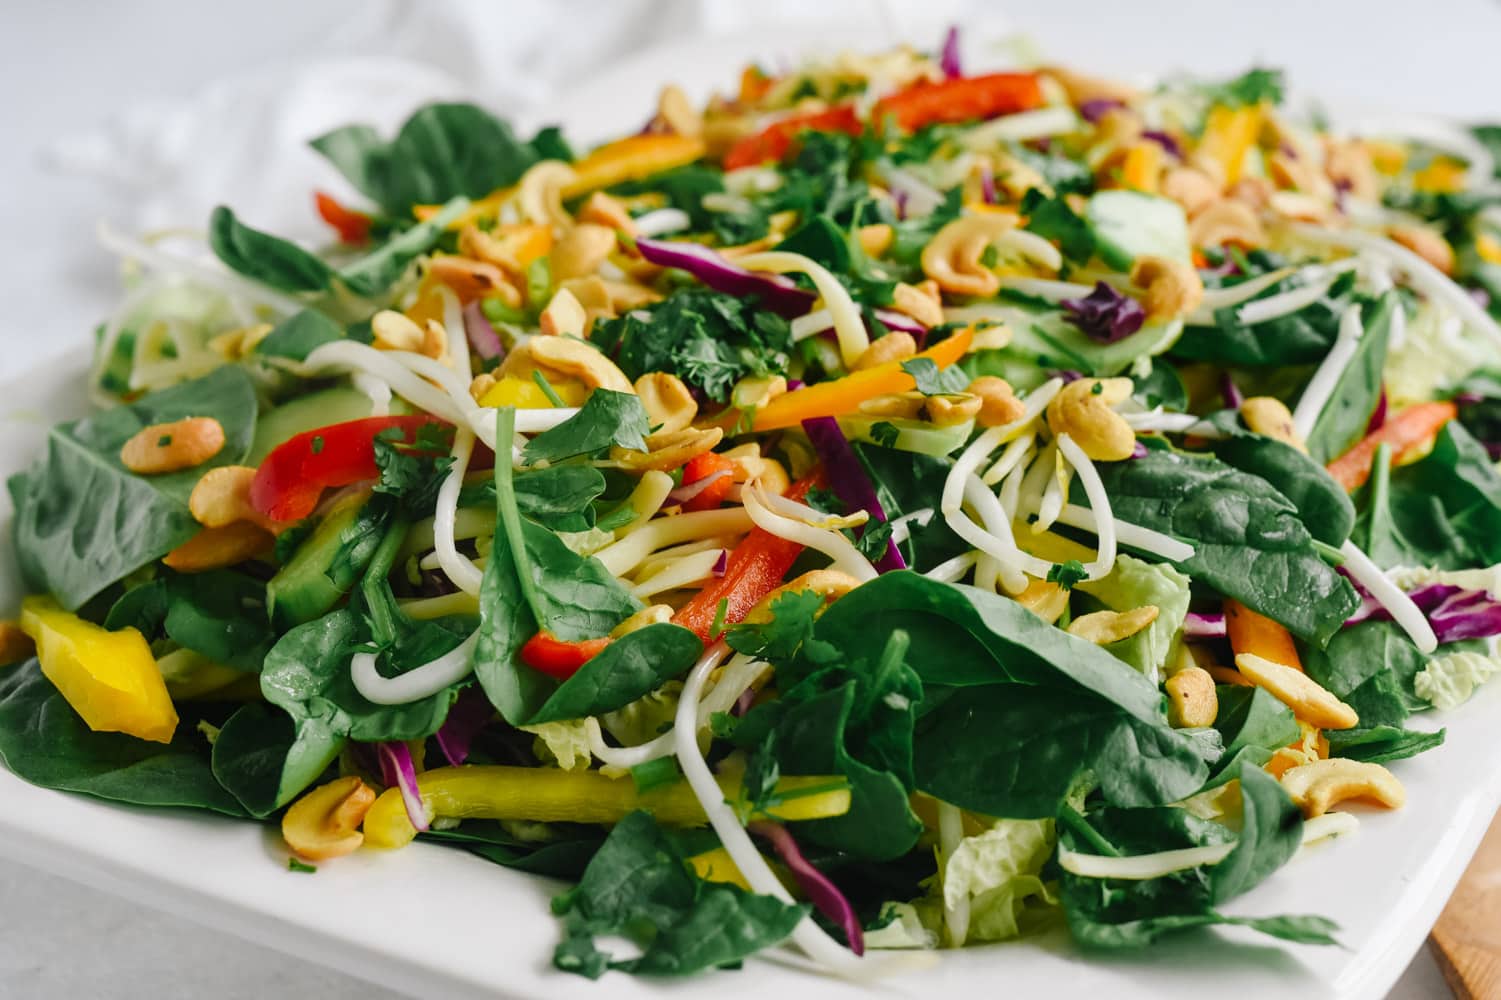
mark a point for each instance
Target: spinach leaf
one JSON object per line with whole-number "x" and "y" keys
{"x": 1347, "y": 413}
{"x": 566, "y": 857}
{"x": 708, "y": 339}
{"x": 43, "y": 741}
{"x": 606, "y": 418}
{"x": 1248, "y": 541}
{"x": 1162, "y": 386}
{"x": 1301, "y": 337}
{"x": 253, "y": 759}
{"x": 378, "y": 270}
{"x": 84, "y": 521}
{"x": 1443, "y": 511}
{"x": 628, "y": 668}
{"x": 558, "y": 497}
{"x": 220, "y": 614}
{"x": 1271, "y": 833}
{"x": 1053, "y": 219}
{"x": 640, "y": 886}
{"x": 1362, "y": 652}
{"x": 1323, "y": 505}
{"x": 299, "y": 335}
{"x": 1017, "y": 751}
{"x": 441, "y": 152}
{"x": 271, "y": 260}
{"x": 1252, "y": 725}
{"x": 1479, "y": 398}
{"x": 1381, "y": 744}
{"x": 684, "y": 189}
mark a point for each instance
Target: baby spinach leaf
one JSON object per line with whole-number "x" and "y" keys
{"x": 84, "y": 521}
{"x": 1271, "y": 833}
{"x": 299, "y": 335}
{"x": 220, "y": 614}
{"x": 606, "y": 418}
{"x": 1358, "y": 653}
{"x": 640, "y": 886}
{"x": 563, "y": 858}
{"x": 1251, "y": 719}
{"x": 1301, "y": 337}
{"x": 43, "y": 741}
{"x": 1442, "y": 511}
{"x": 633, "y": 665}
{"x": 1248, "y": 541}
{"x": 378, "y": 270}
{"x": 1347, "y": 413}
{"x": 1381, "y": 744}
{"x": 260, "y": 760}
{"x": 1323, "y": 505}
{"x": 558, "y": 497}
{"x": 271, "y": 260}
{"x": 440, "y": 152}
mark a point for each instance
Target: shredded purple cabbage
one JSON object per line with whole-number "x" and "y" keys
{"x": 481, "y": 334}
{"x": 398, "y": 771}
{"x": 1165, "y": 140}
{"x": 987, "y": 185}
{"x": 1197, "y": 625}
{"x": 722, "y": 564}
{"x": 1068, "y": 375}
{"x": 1378, "y": 416}
{"x": 780, "y": 295}
{"x": 1233, "y": 396}
{"x": 948, "y": 58}
{"x": 468, "y": 716}
{"x": 1105, "y": 315}
{"x": 848, "y": 479}
{"x": 822, "y": 893}
{"x": 1454, "y": 613}
{"x": 1138, "y": 450}
{"x": 1094, "y": 109}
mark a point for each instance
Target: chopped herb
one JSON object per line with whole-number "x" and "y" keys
{"x": 1067, "y": 574}
{"x": 934, "y": 381}
{"x": 317, "y": 444}
{"x": 884, "y": 434}
{"x": 547, "y": 389}
{"x": 297, "y": 865}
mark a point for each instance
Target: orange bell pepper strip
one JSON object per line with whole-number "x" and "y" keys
{"x": 701, "y": 467}
{"x": 1255, "y": 633}
{"x": 844, "y": 395}
{"x": 1405, "y": 432}
{"x": 631, "y": 159}
{"x": 771, "y": 144}
{"x": 353, "y": 227}
{"x": 558, "y": 658}
{"x": 959, "y": 100}
{"x": 754, "y": 569}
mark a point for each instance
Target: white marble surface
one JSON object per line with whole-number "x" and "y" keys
{"x": 72, "y": 66}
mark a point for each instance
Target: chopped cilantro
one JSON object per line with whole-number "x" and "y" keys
{"x": 1252, "y": 87}
{"x": 884, "y": 434}
{"x": 316, "y": 444}
{"x": 1066, "y": 575}
{"x": 1050, "y": 217}
{"x": 164, "y": 441}
{"x": 412, "y": 472}
{"x": 934, "y": 381}
{"x": 720, "y": 611}
{"x": 297, "y": 865}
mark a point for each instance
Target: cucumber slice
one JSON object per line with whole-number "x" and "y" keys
{"x": 1129, "y": 224}
{"x": 911, "y": 435}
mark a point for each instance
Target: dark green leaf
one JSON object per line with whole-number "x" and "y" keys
{"x": 379, "y": 270}
{"x": 1271, "y": 833}
{"x": 1381, "y": 744}
{"x": 1322, "y": 504}
{"x": 631, "y": 666}
{"x": 1052, "y": 218}
{"x": 1346, "y": 415}
{"x": 271, "y": 260}
{"x": 299, "y": 335}
{"x": 606, "y": 418}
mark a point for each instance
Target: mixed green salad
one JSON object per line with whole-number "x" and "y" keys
{"x": 883, "y": 508}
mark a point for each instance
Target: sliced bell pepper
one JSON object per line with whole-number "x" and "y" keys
{"x": 631, "y": 159}
{"x": 551, "y": 795}
{"x": 1255, "y": 633}
{"x": 1405, "y": 432}
{"x": 701, "y": 467}
{"x": 754, "y": 569}
{"x": 959, "y": 100}
{"x": 1228, "y": 134}
{"x": 110, "y": 678}
{"x": 353, "y": 227}
{"x": 772, "y": 143}
{"x": 559, "y": 658}
{"x": 290, "y": 480}
{"x": 844, "y": 395}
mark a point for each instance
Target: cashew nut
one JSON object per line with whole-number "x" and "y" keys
{"x": 215, "y": 548}
{"x": 1427, "y": 244}
{"x": 1321, "y": 784}
{"x": 325, "y": 823}
{"x": 394, "y": 331}
{"x": 173, "y": 446}
{"x": 1349, "y": 165}
{"x": 669, "y": 450}
{"x": 1269, "y": 416}
{"x": 1309, "y": 700}
{"x": 895, "y": 346}
{"x": 950, "y": 409}
{"x": 998, "y": 402}
{"x": 481, "y": 384}
{"x": 829, "y": 584}
{"x": 562, "y": 358}
{"x": 668, "y": 403}
{"x": 953, "y": 256}
{"x": 1224, "y": 222}
{"x": 1190, "y": 187}
{"x": 922, "y": 302}
{"x": 1083, "y": 410}
{"x": 1046, "y": 600}
{"x": 564, "y": 316}
{"x": 678, "y": 113}
{"x": 1299, "y": 175}
{"x": 511, "y": 248}
{"x": 652, "y": 614}
{"x": 1191, "y": 698}
{"x": 581, "y": 250}
{"x": 540, "y": 193}
{"x": 470, "y": 279}
{"x": 1173, "y": 287}
{"x": 222, "y": 497}
{"x": 1105, "y": 627}
{"x": 896, "y": 405}
{"x": 605, "y": 210}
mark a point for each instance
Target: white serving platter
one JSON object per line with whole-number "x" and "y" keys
{"x": 434, "y": 921}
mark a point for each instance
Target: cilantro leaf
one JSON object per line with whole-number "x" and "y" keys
{"x": 884, "y": 433}
{"x": 789, "y": 631}
{"x": 934, "y": 381}
{"x": 1067, "y": 574}
{"x": 412, "y": 472}
{"x": 1051, "y": 218}
{"x": 1252, "y": 87}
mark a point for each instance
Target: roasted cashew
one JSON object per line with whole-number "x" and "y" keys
{"x": 1309, "y": 700}
{"x": 173, "y": 446}
{"x": 953, "y": 257}
{"x": 895, "y": 346}
{"x": 1083, "y": 410}
{"x": 1321, "y": 784}
{"x": 668, "y": 403}
{"x": 564, "y": 316}
{"x": 1269, "y": 416}
{"x": 325, "y": 823}
{"x": 561, "y": 358}
{"x": 1105, "y": 627}
{"x": 670, "y": 450}
{"x": 1190, "y": 187}
{"x": 1226, "y": 221}
{"x": 998, "y": 402}
{"x": 1173, "y": 287}
{"x": 580, "y": 251}
{"x": 950, "y": 409}
{"x": 922, "y": 302}
{"x": 1191, "y": 698}
{"x": 1046, "y": 600}
{"x": 540, "y": 193}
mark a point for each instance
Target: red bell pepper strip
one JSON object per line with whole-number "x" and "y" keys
{"x": 755, "y": 568}
{"x": 702, "y": 467}
{"x": 289, "y": 481}
{"x": 546, "y": 653}
{"x": 353, "y": 227}
{"x": 959, "y": 100}
{"x": 773, "y": 142}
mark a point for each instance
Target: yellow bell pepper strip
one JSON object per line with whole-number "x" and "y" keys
{"x": 717, "y": 866}
{"x": 526, "y": 394}
{"x": 110, "y": 678}
{"x": 631, "y": 159}
{"x": 550, "y": 795}
{"x": 1228, "y": 135}
{"x": 844, "y": 395}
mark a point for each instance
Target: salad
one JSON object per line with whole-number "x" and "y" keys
{"x": 886, "y": 507}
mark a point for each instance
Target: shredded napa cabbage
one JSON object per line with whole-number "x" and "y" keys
{"x": 565, "y": 743}
{"x": 999, "y": 874}
{"x": 1437, "y": 351}
{"x": 1410, "y": 578}
{"x": 1448, "y": 681}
